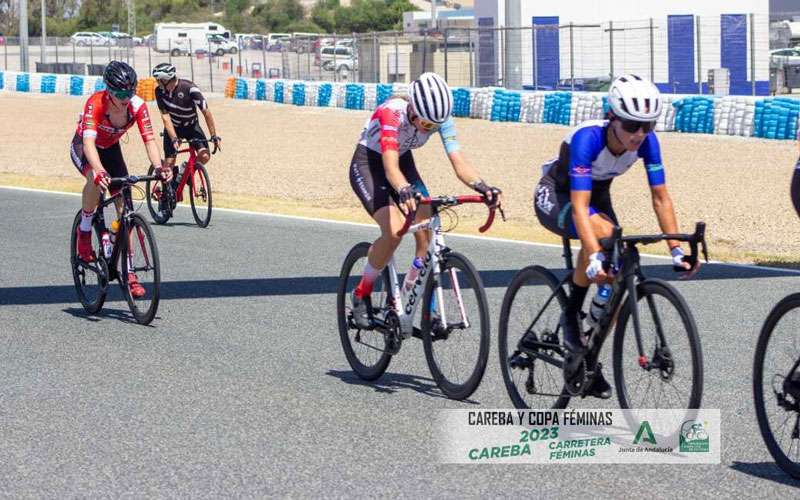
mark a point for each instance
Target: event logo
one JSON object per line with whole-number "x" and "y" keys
{"x": 694, "y": 438}
{"x": 645, "y": 434}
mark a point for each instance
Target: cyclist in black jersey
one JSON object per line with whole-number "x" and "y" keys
{"x": 796, "y": 183}
{"x": 178, "y": 101}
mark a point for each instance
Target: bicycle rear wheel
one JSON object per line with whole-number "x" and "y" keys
{"x": 532, "y": 372}
{"x": 91, "y": 278}
{"x": 455, "y": 326}
{"x": 200, "y": 195}
{"x": 776, "y": 384}
{"x": 365, "y": 350}
{"x": 139, "y": 255}
{"x": 671, "y": 375}
{"x": 156, "y": 192}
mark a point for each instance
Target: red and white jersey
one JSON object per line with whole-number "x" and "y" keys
{"x": 389, "y": 129}
{"x": 95, "y": 122}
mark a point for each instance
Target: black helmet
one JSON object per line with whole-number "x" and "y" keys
{"x": 119, "y": 76}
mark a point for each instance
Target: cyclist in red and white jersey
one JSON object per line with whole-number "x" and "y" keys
{"x": 384, "y": 177}
{"x": 95, "y": 148}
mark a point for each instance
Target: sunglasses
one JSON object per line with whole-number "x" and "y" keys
{"x": 632, "y": 126}
{"x": 121, "y": 94}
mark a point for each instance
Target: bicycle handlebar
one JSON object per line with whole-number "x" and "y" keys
{"x": 451, "y": 201}
{"x": 197, "y": 140}
{"x": 694, "y": 239}
{"x": 119, "y": 182}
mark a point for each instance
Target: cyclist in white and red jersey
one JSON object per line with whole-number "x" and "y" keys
{"x": 384, "y": 177}
{"x": 95, "y": 148}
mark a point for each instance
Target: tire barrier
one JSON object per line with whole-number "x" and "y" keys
{"x": 506, "y": 106}
{"x": 695, "y": 115}
{"x": 354, "y": 96}
{"x": 384, "y": 92}
{"x": 298, "y": 94}
{"x": 776, "y": 118}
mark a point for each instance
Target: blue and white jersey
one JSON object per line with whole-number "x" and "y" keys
{"x": 585, "y": 157}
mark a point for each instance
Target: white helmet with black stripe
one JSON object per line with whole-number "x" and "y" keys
{"x": 431, "y": 98}
{"x": 164, "y": 72}
{"x": 631, "y": 97}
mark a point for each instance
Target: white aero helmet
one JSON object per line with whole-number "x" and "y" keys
{"x": 431, "y": 98}
{"x": 164, "y": 72}
{"x": 632, "y": 97}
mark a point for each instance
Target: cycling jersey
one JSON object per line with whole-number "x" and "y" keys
{"x": 585, "y": 157}
{"x": 181, "y": 103}
{"x": 95, "y": 121}
{"x": 389, "y": 129}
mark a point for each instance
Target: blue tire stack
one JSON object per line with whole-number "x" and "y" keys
{"x": 694, "y": 114}
{"x": 299, "y": 94}
{"x": 384, "y": 92}
{"x": 354, "y": 96}
{"x": 461, "y": 102}
{"x": 241, "y": 88}
{"x": 48, "y": 85}
{"x": 2, "y": 80}
{"x": 261, "y": 90}
{"x": 279, "y": 92}
{"x": 776, "y": 118}
{"x": 324, "y": 94}
{"x": 557, "y": 107}
{"x": 606, "y": 106}
{"x": 76, "y": 85}
{"x": 506, "y": 106}
{"x": 23, "y": 82}
{"x": 99, "y": 85}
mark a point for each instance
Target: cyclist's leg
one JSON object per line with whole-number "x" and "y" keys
{"x": 368, "y": 180}
{"x": 203, "y": 156}
{"x": 89, "y": 199}
{"x": 169, "y": 151}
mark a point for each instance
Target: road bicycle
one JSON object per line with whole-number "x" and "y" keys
{"x": 454, "y": 325}
{"x": 776, "y": 384}
{"x": 656, "y": 344}
{"x": 133, "y": 250}
{"x": 163, "y": 196}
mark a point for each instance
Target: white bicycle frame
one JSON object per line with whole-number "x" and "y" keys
{"x": 405, "y": 303}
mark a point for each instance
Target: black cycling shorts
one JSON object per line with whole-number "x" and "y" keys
{"x": 368, "y": 178}
{"x": 554, "y": 209}
{"x": 185, "y": 133}
{"x": 795, "y": 192}
{"x": 110, "y": 157}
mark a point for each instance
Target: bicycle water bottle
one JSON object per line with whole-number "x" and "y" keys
{"x": 181, "y": 169}
{"x": 114, "y": 231}
{"x": 106, "y": 242}
{"x": 412, "y": 274}
{"x": 598, "y": 304}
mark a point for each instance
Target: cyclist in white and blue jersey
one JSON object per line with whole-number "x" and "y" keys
{"x": 573, "y": 197}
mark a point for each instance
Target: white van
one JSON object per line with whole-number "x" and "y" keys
{"x": 183, "y": 38}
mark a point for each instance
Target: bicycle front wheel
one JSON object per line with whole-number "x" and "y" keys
{"x": 140, "y": 263}
{"x": 156, "y": 192}
{"x": 200, "y": 195}
{"x": 455, "y": 327}
{"x": 669, "y": 372}
{"x": 531, "y": 359}
{"x": 91, "y": 278}
{"x": 776, "y": 384}
{"x": 365, "y": 350}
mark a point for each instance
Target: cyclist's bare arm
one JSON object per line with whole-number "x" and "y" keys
{"x": 210, "y": 123}
{"x": 580, "y": 214}
{"x": 92, "y": 156}
{"x": 391, "y": 164}
{"x": 154, "y": 155}
{"x": 665, "y": 212}
{"x": 168, "y": 127}
{"x": 463, "y": 170}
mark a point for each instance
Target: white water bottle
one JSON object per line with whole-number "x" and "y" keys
{"x": 598, "y": 304}
{"x": 107, "y": 246}
{"x": 412, "y": 274}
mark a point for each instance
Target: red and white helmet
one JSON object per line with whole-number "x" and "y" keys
{"x": 631, "y": 97}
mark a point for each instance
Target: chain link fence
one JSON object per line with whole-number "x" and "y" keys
{"x": 682, "y": 54}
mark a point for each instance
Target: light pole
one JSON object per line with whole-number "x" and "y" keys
{"x": 23, "y": 35}
{"x": 44, "y": 32}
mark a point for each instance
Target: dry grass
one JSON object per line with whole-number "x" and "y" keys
{"x": 294, "y": 160}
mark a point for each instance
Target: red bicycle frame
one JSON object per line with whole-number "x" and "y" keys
{"x": 188, "y": 173}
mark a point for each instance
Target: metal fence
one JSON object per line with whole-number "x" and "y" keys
{"x": 676, "y": 52}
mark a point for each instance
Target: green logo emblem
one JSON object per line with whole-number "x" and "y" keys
{"x": 694, "y": 438}
{"x": 645, "y": 434}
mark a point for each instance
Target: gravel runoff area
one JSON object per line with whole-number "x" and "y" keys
{"x": 294, "y": 160}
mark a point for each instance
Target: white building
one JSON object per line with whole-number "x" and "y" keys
{"x": 675, "y": 42}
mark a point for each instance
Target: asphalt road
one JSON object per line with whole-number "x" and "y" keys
{"x": 240, "y": 387}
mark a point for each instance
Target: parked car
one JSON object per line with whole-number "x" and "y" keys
{"x": 87, "y": 38}
{"x": 338, "y": 58}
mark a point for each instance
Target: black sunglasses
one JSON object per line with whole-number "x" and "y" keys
{"x": 632, "y": 126}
